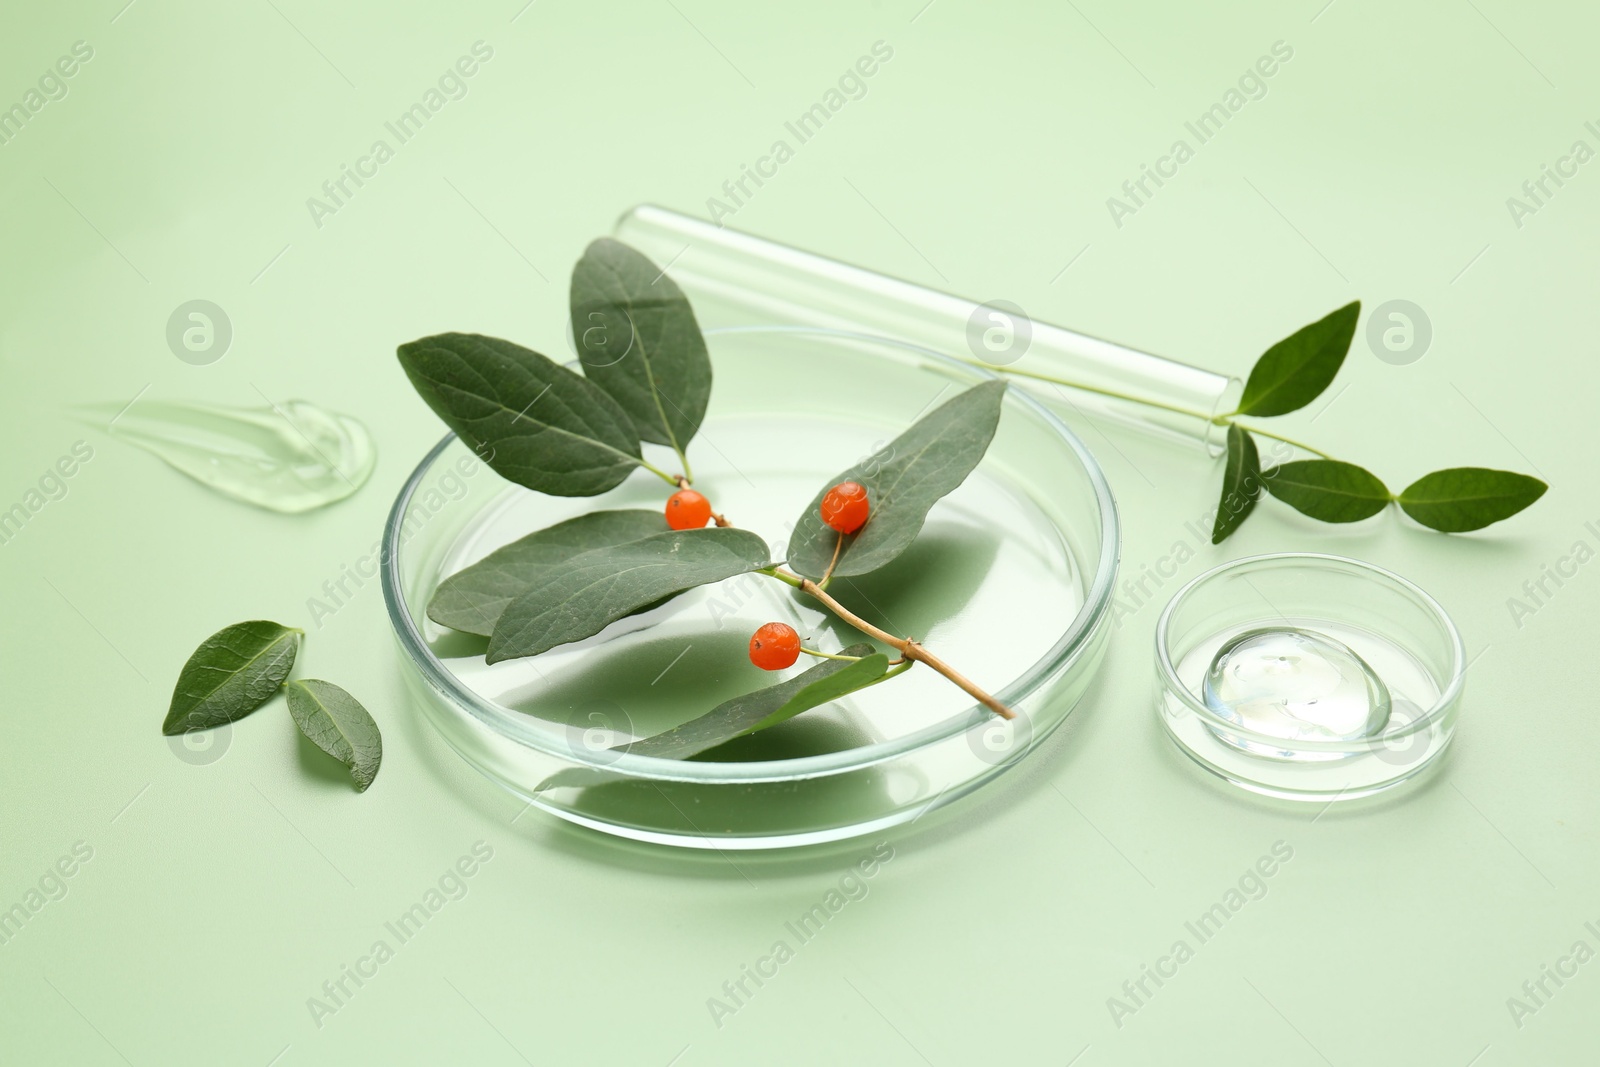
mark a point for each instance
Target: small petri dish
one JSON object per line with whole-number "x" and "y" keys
{"x": 1010, "y": 579}
{"x": 1310, "y": 677}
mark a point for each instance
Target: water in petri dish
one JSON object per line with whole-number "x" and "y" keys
{"x": 289, "y": 457}
{"x": 1295, "y": 683}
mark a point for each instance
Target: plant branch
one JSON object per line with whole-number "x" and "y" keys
{"x": 908, "y": 647}
{"x": 910, "y": 650}
{"x": 1217, "y": 420}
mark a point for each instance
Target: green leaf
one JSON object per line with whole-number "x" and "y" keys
{"x": 637, "y": 339}
{"x": 1241, "y": 484}
{"x": 903, "y": 481}
{"x": 1468, "y": 498}
{"x": 1295, "y": 371}
{"x": 336, "y": 722}
{"x": 826, "y": 682}
{"x": 600, "y": 586}
{"x": 530, "y": 419}
{"x": 1328, "y": 489}
{"x": 232, "y": 673}
{"x": 472, "y": 599}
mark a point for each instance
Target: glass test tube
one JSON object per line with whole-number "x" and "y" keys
{"x": 738, "y": 279}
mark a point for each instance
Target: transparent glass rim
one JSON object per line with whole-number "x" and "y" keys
{"x": 1449, "y": 692}
{"x": 519, "y": 727}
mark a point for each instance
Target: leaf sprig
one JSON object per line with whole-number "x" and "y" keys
{"x": 1287, "y": 377}
{"x": 644, "y": 377}
{"x": 1290, "y": 375}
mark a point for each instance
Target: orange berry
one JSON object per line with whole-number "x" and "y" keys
{"x": 844, "y": 507}
{"x": 775, "y": 646}
{"x": 687, "y": 510}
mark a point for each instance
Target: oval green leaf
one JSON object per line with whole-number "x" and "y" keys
{"x": 1295, "y": 371}
{"x": 903, "y": 481}
{"x": 1241, "y": 484}
{"x": 530, "y": 419}
{"x": 1469, "y": 498}
{"x": 1327, "y": 489}
{"x": 637, "y": 339}
{"x": 335, "y": 722}
{"x": 822, "y": 684}
{"x": 232, "y": 673}
{"x": 600, "y": 586}
{"x": 473, "y": 598}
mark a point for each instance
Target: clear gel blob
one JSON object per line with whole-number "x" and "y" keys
{"x": 288, "y": 457}
{"x": 1296, "y": 684}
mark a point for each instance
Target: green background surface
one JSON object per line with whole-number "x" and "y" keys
{"x": 220, "y": 897}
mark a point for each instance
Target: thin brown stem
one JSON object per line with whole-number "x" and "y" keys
{"x": 838, "y": 546}
{"x": 908, "y": 647}
{"x": 910, "y": 651}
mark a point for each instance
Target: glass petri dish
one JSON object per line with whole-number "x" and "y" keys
{"x": 1010, "y": 581}
{"x": 1397, "y": 631}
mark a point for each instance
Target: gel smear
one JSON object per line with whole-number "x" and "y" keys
{"x": 289, "y": 457}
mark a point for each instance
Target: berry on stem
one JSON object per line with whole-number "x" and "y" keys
{"x": 687, "y": 510}
{"x": 775, "y": 646}
{"x": 844, "y": 507}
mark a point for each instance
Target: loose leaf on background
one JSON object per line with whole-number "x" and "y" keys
{"x": 532, "y": 420}
{"x": 1468, "y": 498}
{"x": 826, "y": 682}
{"x": 637, "y": 339}
{"x": 232, "y": 673}
{"x": 1295, "y": 371}
{"x": 903, "y": 481}
{"x": 473, "y": 598}
{"x": 1241, "y": 484}
{"x": 600, "y": 586}
{"x": 336, "y": 722}
{"x": 1327, "y": 489}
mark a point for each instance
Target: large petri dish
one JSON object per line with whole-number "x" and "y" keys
{"x": 1010, "y": 581}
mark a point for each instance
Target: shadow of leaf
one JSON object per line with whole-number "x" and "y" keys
{"x": 930, "y": 582}
{"x": 650, "y": 687}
